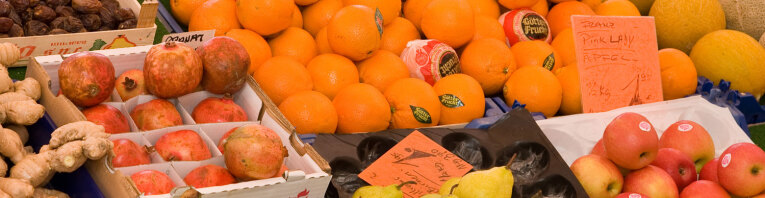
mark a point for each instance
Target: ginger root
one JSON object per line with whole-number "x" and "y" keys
{"x": 21, "y": 131}
{"x": 76, "y": 131}
{"x": 48, "y": 193}
{"x": 29, "y": 87}
{"x": 13, "y": 96}
{"x": 25, "y": 112}
{"x": 4, "y": 195}
{"x": 10, "y": 145}
{"x": 16, "y": 187}
{"x": 34, "y": 168}
{"x": 69, "y": 157}
{"x": 96, "y": 148}
{"x": 3, "y": 168}
{"x": 6, "y": 83}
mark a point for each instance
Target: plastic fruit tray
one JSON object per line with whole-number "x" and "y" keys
{"x": 743, "y": 106}
{"x": 537, "y": 167}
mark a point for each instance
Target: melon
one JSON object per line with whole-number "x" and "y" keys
{"x": 680, "y": 23}
{"x": 747, "y": 16}
{"x": 733, "y": 56}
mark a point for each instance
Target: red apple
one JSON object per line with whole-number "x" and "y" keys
{"x": 651, "y": 181}
{"x": 109, "y": 117}
{"x": 678, "y": 165}
{"x": 631, "y": 141}
{"x": 128, "y": 153}
{"x": 704, "y": 188}
{"x": 152, "y": 182}
{"x": 183, "y": 145}
{"x": 209, "y": 175}
{"x": 215, "y": 110}
{"x": 598, "y": 176}
{"x": 130, "y": 84}
{"x": 223, "y": 139}
{"x": 254, "y": 152}
{"x": 599, "y": 149}
{"x": 630, "y": 195}
{"x": 155, "y": 114}
{"x": 690, "y": 138}
{"x": 741, "y": 170}
{"x": 709, "y": 171}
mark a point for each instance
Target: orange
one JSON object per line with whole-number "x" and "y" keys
{"x": 535, "y": 87}
{"x": 564, "y": 45}
{"x": 332, "y": 72}
{"x": 413, "y": 10}
{"x": 390, "y": 9}
{"x": 678, "y": 74}
{"x": 514, "y": 4}
{"x": 571, "y": 102}
{"x": 382, "y": 69}
{"x": 297, "y": 18}
{"x": 322, "y": 43}
{"x": 397, "y": 34}
{"x": 255, "y": 45}
{"x": 361, "y": 108}
{"x": 617, "y": 8}
{"x": 490, "y": 62}
{"x": 354, "y": 33}
{"x": 265, "y": 17}
{"x": 461, "y": 99}
{"x": 305, "y": 2}
{"x": 281, "y": 76}
{"x": 536, "y": 53}
{"x": 310, "y": 112}
{"x": 559, "y": 17}
{"x": 541, "y": 7}
{"x": 317, "y": 15}
{"x": 488, "y": 8}
{"x": 182, "y": 9}
{"x": 413, "y": 103}
{"x": 593, "y": 3}
{"x": 486, "y": 27}
{"x": 219, "y": 15}
{"x": 449, "y": 21}
{"x": 295, "y": 43}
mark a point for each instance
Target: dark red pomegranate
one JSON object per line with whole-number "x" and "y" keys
{"x": 86, "y": 78}
{"x": 128, "y": 153}
{"x": 155, "y": 114}
{"x": 171, "y": 70}
{"x": 225, "y": 64}
{"x": 209, "y": 175}
{"x": 109, "y": 117}
{"x": 215, "y": 110}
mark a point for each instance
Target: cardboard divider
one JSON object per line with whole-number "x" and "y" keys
{"x": 245, "y": 98}
{"x": 154, "y": 135}
{"x": 141, "y": 99}
{"x": 215, "y": 131}
{"x": 161, "y": 167}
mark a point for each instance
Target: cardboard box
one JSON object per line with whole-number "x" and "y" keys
{"x": 308, "y": 175}
{"x": 143, "y": 34}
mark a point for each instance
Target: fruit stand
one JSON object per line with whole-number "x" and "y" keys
{"x": 382, "y": 98}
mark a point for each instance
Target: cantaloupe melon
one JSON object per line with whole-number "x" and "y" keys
{"x": 680, "y": 23}
{"x": 747, "y": 16}
{"x": 733, "y": 56}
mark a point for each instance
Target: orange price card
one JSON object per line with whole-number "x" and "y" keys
{"x": 416, "y": 158}
{"x": 618, "y": 61}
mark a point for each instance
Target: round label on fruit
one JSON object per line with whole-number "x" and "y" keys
{"x": 633, "y": 195}
{"x": 430, "y": 60}
{"x": 684, "y": 127}
{"x": 725, "y": 161}
{"x": 644, "y": 126}
{"x": 525, "y": 25}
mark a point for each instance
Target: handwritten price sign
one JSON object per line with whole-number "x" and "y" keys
{"x": 416, "y": 158}
{"x": 618, "y": 61}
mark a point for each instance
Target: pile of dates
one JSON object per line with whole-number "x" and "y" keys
{"x": 45, "y": 17}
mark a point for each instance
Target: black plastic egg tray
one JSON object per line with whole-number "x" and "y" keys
{"x": 537, "y": 167}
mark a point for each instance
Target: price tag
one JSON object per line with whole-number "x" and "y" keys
{"x": 192, "y": 39}
{"x": 416, "y": 158}
{"x": 618, "y": 61}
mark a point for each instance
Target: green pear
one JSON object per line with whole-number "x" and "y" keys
{"x": 446, "y": 188}
{"x": 391, "y": 191}
{"x": 496, "y": 182}
{"x": 438, "y": 196}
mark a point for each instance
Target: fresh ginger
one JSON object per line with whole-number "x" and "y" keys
{"x": 69, "y": 157}
{"x": 3, "y": 168}
{"x": 34, "y": 168}
{"x": 6, "y": 83}
{"x": 76, "y": 131}
{"x": 21, "y": 131}
{"x": 29, "y": 87}
{"x": 11, "y": 145}
{"x": 48, "y": 193}
{"x": 25, "y": 112}
{"x": 13, "y": 96}
{"x": 96, "y": 148}
{"x": 4, "y": 195}
{"x": 16, "y": 187}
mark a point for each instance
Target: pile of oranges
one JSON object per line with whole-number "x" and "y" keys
{"x": 334, "y": 65}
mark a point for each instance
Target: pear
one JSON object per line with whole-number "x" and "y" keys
{"x": 496, "y": 182}
{"x": 452, "y": 184}
{"x": 447, "y": 187}
{"x": 391, "y": 191}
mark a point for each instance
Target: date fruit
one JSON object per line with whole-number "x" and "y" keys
{"x": 129, "y": 24}
{"x": 5, "y": 8}
{"x": 57, "y": 31}
{"x": 63, "y": 11}
{"x": 44, "y": 13}
{"x": 16, "y": 31}
{"x": 124, "y": 14}
{"x": 5, "y": 24}
{"x": 86, "y": 6}
{"x": 91, "y": 21}
{"x": 36, "y": 28}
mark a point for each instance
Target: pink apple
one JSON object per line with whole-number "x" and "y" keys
{"x": 709, "y": 171}
{"x": 598, "y": 176}
{"x": 630, "y": 195}
{"x": 678, "y": 165}
{"x": 690, "y": 138}
{"x": 704, "y": 188}
{"x": 599, "y": 149}
{"x": 741, "y": 170}
{"x": 651, "y": 181}
{"x": 631, "y": 141}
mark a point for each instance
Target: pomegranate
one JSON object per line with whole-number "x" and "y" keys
{"x": 171, "y": 70}
{"x": 254, "y": 152}
{"x": 209, "y": 175}
{"x": 152, "y": 182}
{"x": 130, "y": 84}
{"x": 223, "y": 139}
{"x": 155, "y": 114}
{"x": 86, "y": 78}
{"x": 183, "y": 145}
{"x": 225, "y": 64}
{"x": 215, "y": 110}
{"x": 128, "y": 153}
{"x": 109, "y": 117}
{"x": 281, "y": 170}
